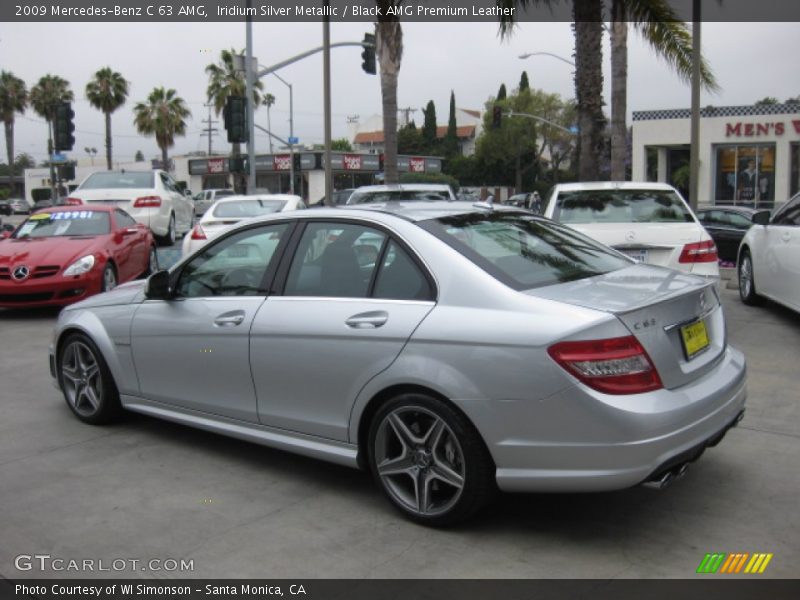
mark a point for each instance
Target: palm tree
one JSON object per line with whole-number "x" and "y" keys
{"x": 224, "y": 81}
{"x": 162, "y": 115}
{"x": 268, "y": 100}
{"x": 389, "y": 51}
{"x": 44, "y": 96}
{"x": 658, "y": 24}
{"x": 13, "y": 99}
{"x": 107, "y": 91}
{"x": 660, "y": 27}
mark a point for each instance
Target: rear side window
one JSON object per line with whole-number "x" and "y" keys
{"x": 400, "y": 278}
{"x": 621, "y": 206}
{"x": 129, "y": 180}
{"x": 524, "y": 251}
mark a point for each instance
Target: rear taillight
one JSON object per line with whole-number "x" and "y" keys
{"x": 612, "y": 366}
{"x": 147, "y": 202}
{"x": 73, "y": 201}
{"x": 198, "y": 233}
{"x": 699, "y": 252}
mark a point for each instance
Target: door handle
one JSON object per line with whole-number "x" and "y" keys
{"x": 231, "y": 319}
{"x": 368, "y": 320}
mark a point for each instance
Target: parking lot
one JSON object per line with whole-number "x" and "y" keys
{"x": 151, "y": 490}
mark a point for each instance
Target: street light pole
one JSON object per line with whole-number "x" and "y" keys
{"x": 291, "y": 130}
{"x": 556, "y": 56}
{"x": 694, "y": 151}
{"x": 326, "y": 68}
{"x": 250, "y": 84}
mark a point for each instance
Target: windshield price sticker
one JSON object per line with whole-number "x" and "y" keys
{"x": 83, "y": 214}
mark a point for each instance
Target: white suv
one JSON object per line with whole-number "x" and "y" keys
{"x": 150, "y": 197}
{"x": 649, "y": 222}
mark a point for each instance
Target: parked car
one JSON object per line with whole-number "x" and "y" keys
{"x": 339, "y": 197}
{"x": 649, "y": 222}
{"x": 48, "y": 202}
{"x": 229, "y": 210}
{"x": 150, "y": 197}
{"x": 726, "y": 225}
{"x": 769, "y": 257}
{"x": 203, "y": 200}
{"x": 64, "y": 254}
{"x": 486, "y": 346}
{"x": 405, "y": 192}
{"x": 5, "y": 207}
{"x": 19, "y": 206}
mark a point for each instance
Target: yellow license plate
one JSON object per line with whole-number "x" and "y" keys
{"x": 695, "y": 338}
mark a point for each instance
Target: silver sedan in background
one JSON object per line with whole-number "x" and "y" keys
{"x": 448, "y": 348}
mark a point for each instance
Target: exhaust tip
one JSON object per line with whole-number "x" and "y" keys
{"x": 661, "y": 483}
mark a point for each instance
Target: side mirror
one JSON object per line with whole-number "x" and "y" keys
{"x": 157, "y": 286}
{"x": 760, "y": 218}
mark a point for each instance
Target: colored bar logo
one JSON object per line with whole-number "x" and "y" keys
{"x": 734, "y": 563}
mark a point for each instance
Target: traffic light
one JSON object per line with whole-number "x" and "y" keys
{"x": 297, "y": 162}
{"x": 235, "y": 116}
{"x": 64, "y": 127}
{"x": 368, "y": 54}
{"x": 497, "y": 116}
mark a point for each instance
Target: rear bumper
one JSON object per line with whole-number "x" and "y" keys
{"x": 614, "y": 442}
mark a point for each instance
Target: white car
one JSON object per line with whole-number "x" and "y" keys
{"x": 230, "y": 210}
{"x": 203, "y": 200}
{"x": 769, "y": 257}
{"x": 403, "y": 192}
{"x": 650, "y": 222}
{"x": 150, "y": 197}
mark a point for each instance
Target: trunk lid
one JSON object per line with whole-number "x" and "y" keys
{"x": 666, "y": 310}
{"x": 652, "y": 243}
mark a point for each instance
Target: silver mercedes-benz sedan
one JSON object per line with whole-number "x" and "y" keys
{"x": 449, "y": 348}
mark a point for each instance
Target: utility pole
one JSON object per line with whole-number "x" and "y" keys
{"x": 406, "y": 112}
{"x": 209, "y": 130}
{"x": 694, "y": 151}
{"x": 250, "y": 81}
{"x": 326, "y": 85}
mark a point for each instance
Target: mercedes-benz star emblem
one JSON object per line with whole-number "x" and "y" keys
{"x": 630, "y": 236}
{"x": 21, "y": 273}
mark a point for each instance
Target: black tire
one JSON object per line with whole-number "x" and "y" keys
{"x": 171, "y": 236}
{"x": 109, "y": 281}
{"x": 86, "y": 382}
{"x": 152, "y": 262}
{"x": 747, "y": 280}
{"x": 443, "y": 454}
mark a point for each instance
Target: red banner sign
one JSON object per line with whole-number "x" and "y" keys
{"x": 282, "y": 162}
{"x": 216, "y": 165}
{"x": 351, "y": 162}
{"x": 416, "y": 165}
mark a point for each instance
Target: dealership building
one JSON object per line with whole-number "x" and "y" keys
{"x": 748, "y": 154}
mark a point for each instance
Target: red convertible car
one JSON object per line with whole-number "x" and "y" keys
{"x": 63, "y": 254}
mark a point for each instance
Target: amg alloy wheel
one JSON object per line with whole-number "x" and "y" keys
{"x": 429, "y": 460}
{"x": 86, "y": 381}
{"x": 747, "y": 284}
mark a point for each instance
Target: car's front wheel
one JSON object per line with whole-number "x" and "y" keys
{"x": 747, "y": 282}
{"x": 86, "y": 381}
{"x": 152, "y": 262}
{"x": 429, "y": 460}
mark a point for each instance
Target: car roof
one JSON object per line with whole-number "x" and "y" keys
{"x": 613, "y": 185}
{"x": 240, "y": 197}
{"x": 77, "y": 208}
{"x": 412, "y": 187}
{"x": 740, "y": 209}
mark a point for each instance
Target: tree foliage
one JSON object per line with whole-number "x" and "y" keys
{"x": 450, "y": 142}
{"x": 429, "y": 126}
{"x": 107, "y": 91}
{"x": 524, "y": 84}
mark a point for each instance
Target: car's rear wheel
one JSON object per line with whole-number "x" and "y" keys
{"x": 86, "y": 381}
{"x": 109, "y": 278}
{"x": 169, "y": 238}
{"x": 429, "y": 460}
{"x": 747, "y": 282}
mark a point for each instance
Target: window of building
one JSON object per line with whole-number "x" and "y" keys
{"x": 794, "y": 169}
{"x": 745, "y": 175}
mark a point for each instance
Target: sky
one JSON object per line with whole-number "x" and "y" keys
{"x": 750, "y": 60}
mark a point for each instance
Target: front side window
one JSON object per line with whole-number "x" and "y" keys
{"x": 235, "y": 266}
{"x": 621, "y": 206}
{"x": 65, "y": 224}
{"x": 524, "y": 251}
{"x": 789, "y": 214}
{"x": 335, "y": 260}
